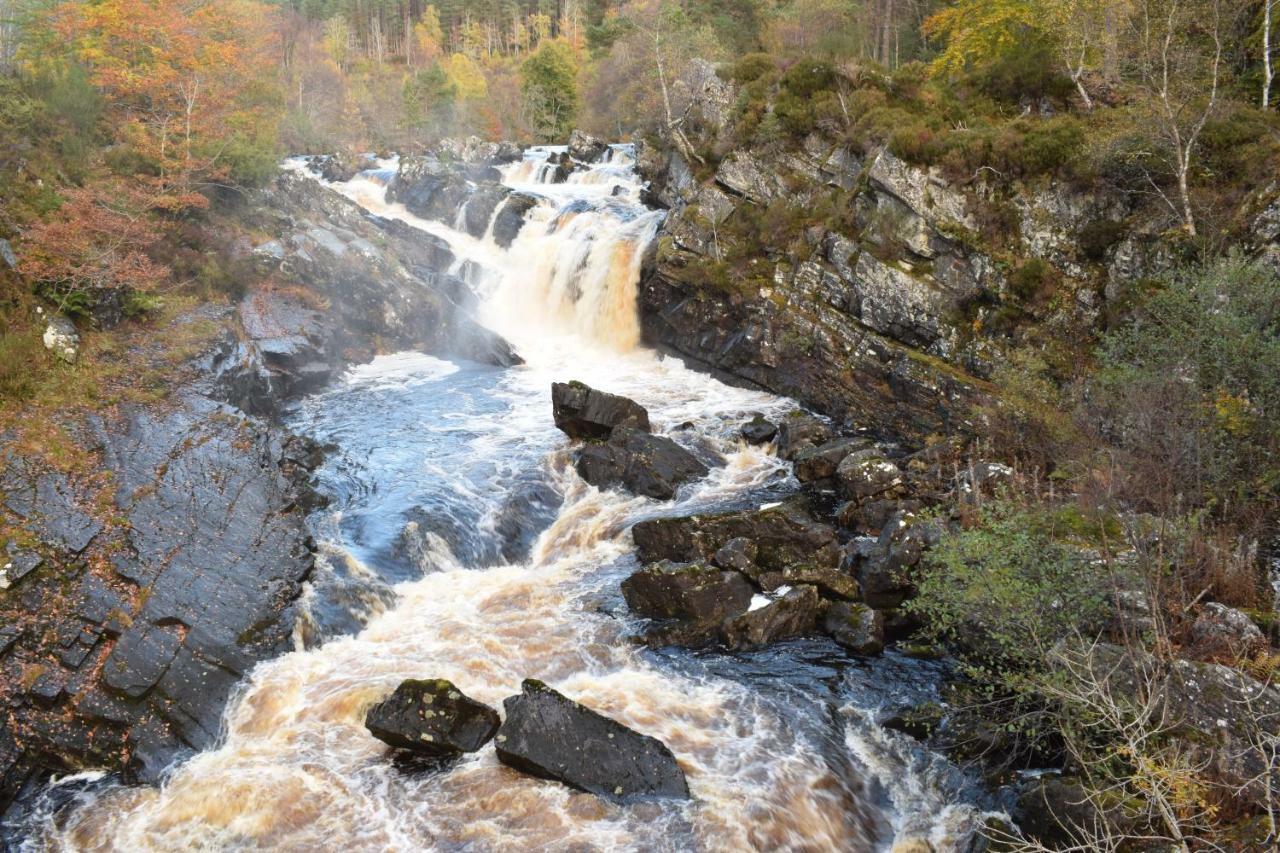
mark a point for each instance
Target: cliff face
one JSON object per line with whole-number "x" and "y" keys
{"x": 147, "y": 578}
{"x": 872, "y": 289}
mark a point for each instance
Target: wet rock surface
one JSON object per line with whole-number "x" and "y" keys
{"x": 132, "y": 631}
{"x": 644, "y": 464}
{"x": 691, "y": 591}
{"x": 144, "y": 583}
{"x": 583, "y": 412}
{"x": 546, "y": 734}
{"x": 432, "y": 718}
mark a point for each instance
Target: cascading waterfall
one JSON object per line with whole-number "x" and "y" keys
{"x": 470, "y": 454}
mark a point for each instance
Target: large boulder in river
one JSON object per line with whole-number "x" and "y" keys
{"x": 581, "y": 411}
{"x": 586, "y": 148}
{"x": 784, "y": 534}
{"x": 644, "y": 464}
{"x": 547, "y": 734}
{"x": 432, "y": 718}
{"x": 479, "y": 208}
{"x": 694, "y": 591}
{"x": 794, "y": 613}
{"x": 510, "y": 218}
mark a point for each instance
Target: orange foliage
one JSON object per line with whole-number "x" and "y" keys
{"x": 95, "y": 241}
{"x": 179, "y": 78}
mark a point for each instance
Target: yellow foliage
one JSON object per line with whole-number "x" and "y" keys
{"x": 466, "y": 75}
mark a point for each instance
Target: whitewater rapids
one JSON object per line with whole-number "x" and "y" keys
{"x": 780, "y": 747}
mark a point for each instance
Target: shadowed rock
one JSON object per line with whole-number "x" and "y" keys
{"x": 549, "y": 735}
{"x": 695, "y": 591}
{"x": 649, "y": 465}
{"x": 794, "y": 614}
{"x": 432, "y": 718}
{"x": 758, "y": 430}
{"x": 581, "y": 411}
{"x": 784, "y": 535}
{"x": 856, "y": 627}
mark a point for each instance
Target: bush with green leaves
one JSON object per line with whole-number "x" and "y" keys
{"x": 1189, "y": 394}
{"x": 1007, "y": 587}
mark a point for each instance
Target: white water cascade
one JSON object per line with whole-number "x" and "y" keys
{"x": 779, "y": 745}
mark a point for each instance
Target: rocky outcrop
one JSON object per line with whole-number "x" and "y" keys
{"x": 693, "y": 591}
{"x": 432, "y": 718}
{"x": 361, "y": 283}
{"x": 644, "y": 464}
{"x": 583, "y": 412}
{"x": 142, "y": 605}
{"x": 549, "y": 735}
{"x": 783, "y": 535}
{"x": 586, "y": 148}
{"x": 620, "y": 451}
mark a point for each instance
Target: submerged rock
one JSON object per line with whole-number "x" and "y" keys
{"x": 546, "y": 734}
{"x": 695, "y": 591}
{"x": 581, "y": 411}
{"x": 649, "y": 465}
{"x": 432, "y": 718}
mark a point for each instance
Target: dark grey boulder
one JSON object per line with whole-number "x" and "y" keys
{"x": 820, "y": 463}
{"x": 856, "y": 627}
{"x": 695, "y": 591}
{"x": 581, "y": 411}
{"x": 738, "y": 554}
{"x": 831, "y": 582}
{"x": 479, "y": 208}
{"x": 510, "y": 218}
{"x": 800, "y": 431}
{"x": 644, "y": 464}
{"x": 548, "y": 735}
{"x": 784, "y": 535}
{"x": 758, "y": 430}
{"x": 794, "y": 614}
{"x": 432, "y": 718}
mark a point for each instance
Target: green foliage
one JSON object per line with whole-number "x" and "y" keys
{"x": 428, "y": 100}
{"x": 1190, "y": 388}
{"x": 751, "y": 67}
{"x": 22, "y": 357}
{"x": 549, "y": 83}
{"x": 1006, "y": 589}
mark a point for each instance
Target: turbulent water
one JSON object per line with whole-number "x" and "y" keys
{"x": 461, "y": 544}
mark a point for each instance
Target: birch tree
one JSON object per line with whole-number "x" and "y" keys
{"x": 1179, "y": 59}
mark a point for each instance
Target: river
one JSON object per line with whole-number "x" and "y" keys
{"x": 461, "y": 544}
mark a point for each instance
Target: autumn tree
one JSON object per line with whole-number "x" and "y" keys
{"x": 184, "y": 86}
{"x": 91, "y": 247}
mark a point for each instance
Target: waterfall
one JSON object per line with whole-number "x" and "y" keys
{"x": 522, "y": 563}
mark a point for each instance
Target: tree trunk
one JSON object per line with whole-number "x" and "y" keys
{"x": 1268, "y": 73}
